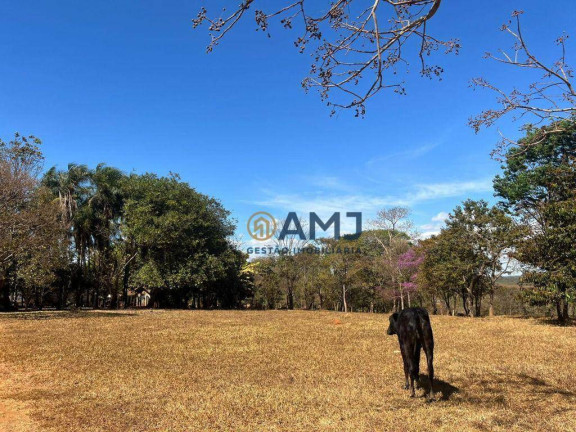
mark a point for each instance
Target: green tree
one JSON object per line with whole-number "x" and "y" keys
{"x": 267, "y": 293}
{"x": 91, "y": 204}
{"x": 484, "y": 237}
{"x": 346, "y": 263}
{"x": 31, "y": 235}
{"x": 538, "y": 186}
{"x": 181, "y": 238}
{"x": 469, "y": 255}
{"x": 105, "y": 207}
{"x": 441, "y": 275}
{"x": 46, "y": 251}
{"x": 72, "y": 189}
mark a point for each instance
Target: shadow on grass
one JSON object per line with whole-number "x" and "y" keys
{"x": 542, "y": 387}
{"x": 498, "y": 389}
{"x": 440, "y": 386}
{"x": 51, "y": 315}
{"x": 571, "y": 322}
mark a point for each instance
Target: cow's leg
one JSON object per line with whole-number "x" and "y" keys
{"x": 406, "y": 368}
{"x": 413, "y": 368}
{"x": 409, "y": 354}
{"x": 417, "y": 365}
{"x": 406, "y": 385}
{"x": 430, "y": 364}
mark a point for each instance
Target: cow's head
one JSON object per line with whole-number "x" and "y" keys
{"x": 392, "y": 327}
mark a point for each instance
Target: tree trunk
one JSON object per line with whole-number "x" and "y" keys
{"x": 344, "y": 303}
{"x": 5, "y": 303}
{"x": 465, "y": 304}
{"x": 60, "y": 296}
{"x": 559, "y": 311}
{"x": 290, "y": 299}
{"x": 96, "y": 298}
{"x": 448, "y": 305}
{"x": 478, "y": 304}
{"x": 125, "y": 279}
{"x": 38, "y": 298}
{"x": 77, "y": 293}
{"x": 491, "y": 309}
{"x": 562, "y": 307}
{"x": 114, "y": 299}
{"x": 470, "y": 300}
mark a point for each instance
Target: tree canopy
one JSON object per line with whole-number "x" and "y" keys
{"x": 538, "y": 185}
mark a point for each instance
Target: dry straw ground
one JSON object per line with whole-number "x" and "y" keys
{"x": 277, "y": 371}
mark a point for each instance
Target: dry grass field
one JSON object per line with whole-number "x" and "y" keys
{"x": 277, "y": 371}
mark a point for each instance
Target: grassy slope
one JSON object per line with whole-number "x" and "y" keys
{"x": 281, "y": 371}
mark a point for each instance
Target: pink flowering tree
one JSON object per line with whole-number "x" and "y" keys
{"x": 408, "y": 264}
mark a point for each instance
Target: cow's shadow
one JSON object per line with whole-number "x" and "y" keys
{"x": 500, "y": 386}
{"x": 497, "y": 388}
{"x": 443, "y": 387}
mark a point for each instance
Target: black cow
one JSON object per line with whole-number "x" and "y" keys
{"x": 414, "y": 332}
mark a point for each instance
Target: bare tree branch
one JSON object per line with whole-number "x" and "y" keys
{"x": 356, "y": 49}
{"x": 547, "y": 100}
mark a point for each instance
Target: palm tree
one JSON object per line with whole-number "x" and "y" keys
{"x": 106, "y": 205}
{"x": 72, "y": 187}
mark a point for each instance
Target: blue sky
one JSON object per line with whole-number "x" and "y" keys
{"x": 129, "y": 83}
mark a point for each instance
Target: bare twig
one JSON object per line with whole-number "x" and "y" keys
{"x": 356, "y": 50}
{"x": 547, "y": 100}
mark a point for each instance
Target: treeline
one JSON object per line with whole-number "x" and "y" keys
{"x": 531, "y": 230}
{"x": 533, "y": 225}
{"x": 349, "y": 274}
{"x": 85, "y": 237}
